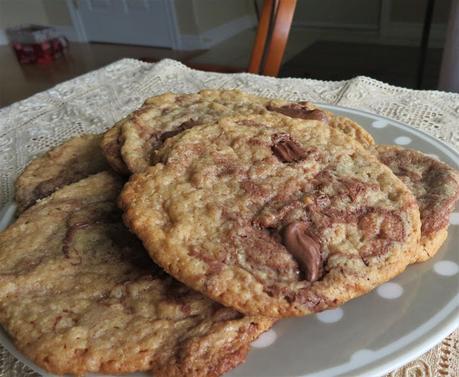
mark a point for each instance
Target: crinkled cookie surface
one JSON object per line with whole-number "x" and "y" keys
{"x": 272, "y": 215}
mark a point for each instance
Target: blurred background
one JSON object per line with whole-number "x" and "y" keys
{"x": 328, "y": 39}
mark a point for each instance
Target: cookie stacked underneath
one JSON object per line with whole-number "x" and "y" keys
{"x": 242, "y": 209}
{"x": 79, "y": 294}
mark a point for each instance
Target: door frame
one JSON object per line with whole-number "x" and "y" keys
{"x": 72, "y": 6}
{"x": 77, "y": 22}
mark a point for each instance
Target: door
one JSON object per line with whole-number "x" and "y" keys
{"x": 137, "y": 22}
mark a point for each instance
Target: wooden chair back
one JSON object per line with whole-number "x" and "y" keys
{"x": 272, "y": 36}
{"x": 270, "y": 41}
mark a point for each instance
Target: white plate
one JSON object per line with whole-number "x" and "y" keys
{"x": 378, "y": 332}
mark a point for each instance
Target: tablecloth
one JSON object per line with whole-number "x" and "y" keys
{"x": 93, "y": 102}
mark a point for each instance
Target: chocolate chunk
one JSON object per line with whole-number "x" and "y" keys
{"x": 254, "y": 189}
{"x": 354, "y": 188}
{"x": 304, "y": 248}
{"x": 184, "y": 126}
{"x": 159, "y": 138}
{"x": 374, "y": 248}
{"x": 392, "y": 227}
{"x": 286, "y": 149}
{"x": 300, "y": 111}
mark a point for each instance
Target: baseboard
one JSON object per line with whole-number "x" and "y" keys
{"x": 215, "y": 35}
{"x": 67, "y": 31}
{"x": 331, "y": 25}
{"x": 187, "y": 42}
{"x": 413, "y": 32}
{"x": 396, "y": 33}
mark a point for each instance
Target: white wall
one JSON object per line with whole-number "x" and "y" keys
{"x": 211, "y": 14}
{"x": 42, "y": 12}
{"x": 57, "y": 12}
{"x": 412, "y": 11}
{"x": 16, "y": 12}
{"x": 205, "y": 23}
{"x": 186, "y": 17}
{"x": 201, "y": 23}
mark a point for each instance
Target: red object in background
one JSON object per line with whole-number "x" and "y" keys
{"x": 36, "y": 44}
{"x": 41, "y": 53}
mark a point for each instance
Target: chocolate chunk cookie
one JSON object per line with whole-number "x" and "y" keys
{"x": 161, "y": 117}
{"x": 435, "y": 186}
{"x": 71, "y": 161}
{"x": 273, "y": 215}
{"x": 79, "y": 294}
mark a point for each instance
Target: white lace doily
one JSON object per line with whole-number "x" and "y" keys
{"x": 93, "y": 102}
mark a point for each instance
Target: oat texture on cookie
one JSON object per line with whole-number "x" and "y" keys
{"x": 273, "y": 215}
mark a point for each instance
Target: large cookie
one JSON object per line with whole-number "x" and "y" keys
{"x": 273, "y": 215}
{"x": 435, "y": 186}
{"x": 71, "y": 161}
{"x": 166, "y": 115}
{"x": 79, "y": 294}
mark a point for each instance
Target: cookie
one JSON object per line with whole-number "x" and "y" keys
{"x": 166, "y": 115}
{"x": 352, "y": 129}
{"x": 306, "y": 110}
{"x": 272, "y": 215}
{"x": 111, "y": 148}
{"x": 71, "y": 161}
{"x": 435, "y": 186}
{"x": 79, "y": 294}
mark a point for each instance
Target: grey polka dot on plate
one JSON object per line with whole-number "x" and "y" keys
{"x": 362, "y": 355}
{"x": 390, "y": 290}
{"x": 402, "y": 140}
{"x": 265, "y": 339}
{"x": 330, "y": 316}
{"x": 446, "y": 268}
{"x": 454, "y": 218}
{"x": 380, "y": 123}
